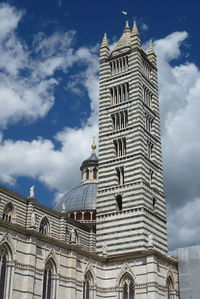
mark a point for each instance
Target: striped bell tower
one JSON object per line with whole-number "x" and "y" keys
{"x": 131, "y": 208}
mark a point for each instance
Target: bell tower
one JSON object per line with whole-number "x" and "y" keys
{"x": 131, "y": 208}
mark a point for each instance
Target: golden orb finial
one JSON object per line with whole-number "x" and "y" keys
{"x": 93, "y": 146}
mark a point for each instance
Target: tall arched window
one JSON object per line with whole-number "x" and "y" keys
{"x": 8, "y": 212}
{"x": 3, "y": 261}
{"x": 88, "y": 286}
{"x": 48, "y": 282}
{"x": 44, "y": 226}
{"x": 169, "y": 288}
{"x": 128, "y": 290}
{"x": 5, "y": 272}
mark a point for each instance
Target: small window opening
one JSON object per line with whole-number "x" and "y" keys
{"x": 87, "y": 173}
{"x": 119, "y": 202}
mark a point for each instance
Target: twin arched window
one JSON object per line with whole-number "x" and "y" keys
{"x": 87, "y": 286}
{"x": 44, "y": 226}
{"x": 8, "y": 212}
{"x": 127, "y": 284}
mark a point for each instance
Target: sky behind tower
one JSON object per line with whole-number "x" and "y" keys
{"x": 49, "y": 95}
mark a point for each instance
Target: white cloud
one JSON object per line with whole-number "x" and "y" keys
{"x": 28, "y": 76}
{"x": 31, "y": 96}
{"x": 40, "y": 160}
{"x": 179, "y": 96}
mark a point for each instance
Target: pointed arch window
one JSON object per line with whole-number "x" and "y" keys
{"x": 169, "y": 288}
{"x": 88, "y": 286}
{"x": 3, "y": 261}
{"x": 5, "y": 272}
{"x": 48, "y": 281}
{"x": 44, "y": 226}
{"x": 128, "y": 288}
{"x": 8, "y": 212}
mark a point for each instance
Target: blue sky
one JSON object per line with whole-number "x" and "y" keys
{"x": 49, "y": 95}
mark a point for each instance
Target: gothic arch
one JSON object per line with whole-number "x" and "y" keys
{"x": 170, "y": 286}
{"x": 7, "y": 242}
{"x": 170, "y": 277}
{"x": 89, "y": 269}
{"x": 51, "y": 257}
{"x": 50, "y": 281}
{"x": 6, "y": 269}
{"x": 9, "y": 212}
{"x": 89, "y": 289}
{"x": 126, "y": 269}
{"x": 44, "y": 227}
{"x": 126, "y": 287}
{"x": 125, "y": 283}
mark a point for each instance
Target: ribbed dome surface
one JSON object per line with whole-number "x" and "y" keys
{"x": 80, "y": 198}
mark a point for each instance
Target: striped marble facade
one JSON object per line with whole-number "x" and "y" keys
{"x": 131, "y": 209}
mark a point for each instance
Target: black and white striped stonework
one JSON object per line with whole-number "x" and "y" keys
{"x": 130, "y": 161}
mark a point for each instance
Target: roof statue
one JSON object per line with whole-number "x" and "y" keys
{"x": 32, "y": 192}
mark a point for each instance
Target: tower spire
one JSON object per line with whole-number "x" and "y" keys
{"x": 104, "y": 41}
{"x": 151, "y": 53}
{"x": 135, "y": 36}
{"x": 135, "y": 29}
{"x": 127, "y": 28}
{"x": 104, "y": 50}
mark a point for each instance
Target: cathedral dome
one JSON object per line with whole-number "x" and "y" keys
{"x": 80, "y": 202}
{"x": 81, "y": 198}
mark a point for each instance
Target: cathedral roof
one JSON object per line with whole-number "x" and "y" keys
{"x": 81, "y": 198}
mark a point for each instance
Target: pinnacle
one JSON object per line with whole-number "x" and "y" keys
{"x": 127, "y": 28}
{"x": 135, "y": 30}
{"x": 104, "y": 41}
{"x": 150, "y": 49}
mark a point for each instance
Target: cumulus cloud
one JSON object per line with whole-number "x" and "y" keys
{"x": 179, "y": 84}
{"x": 40, "y": 160}
{"x": 27, "y": 87}
{"x": 28, "y": 76}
